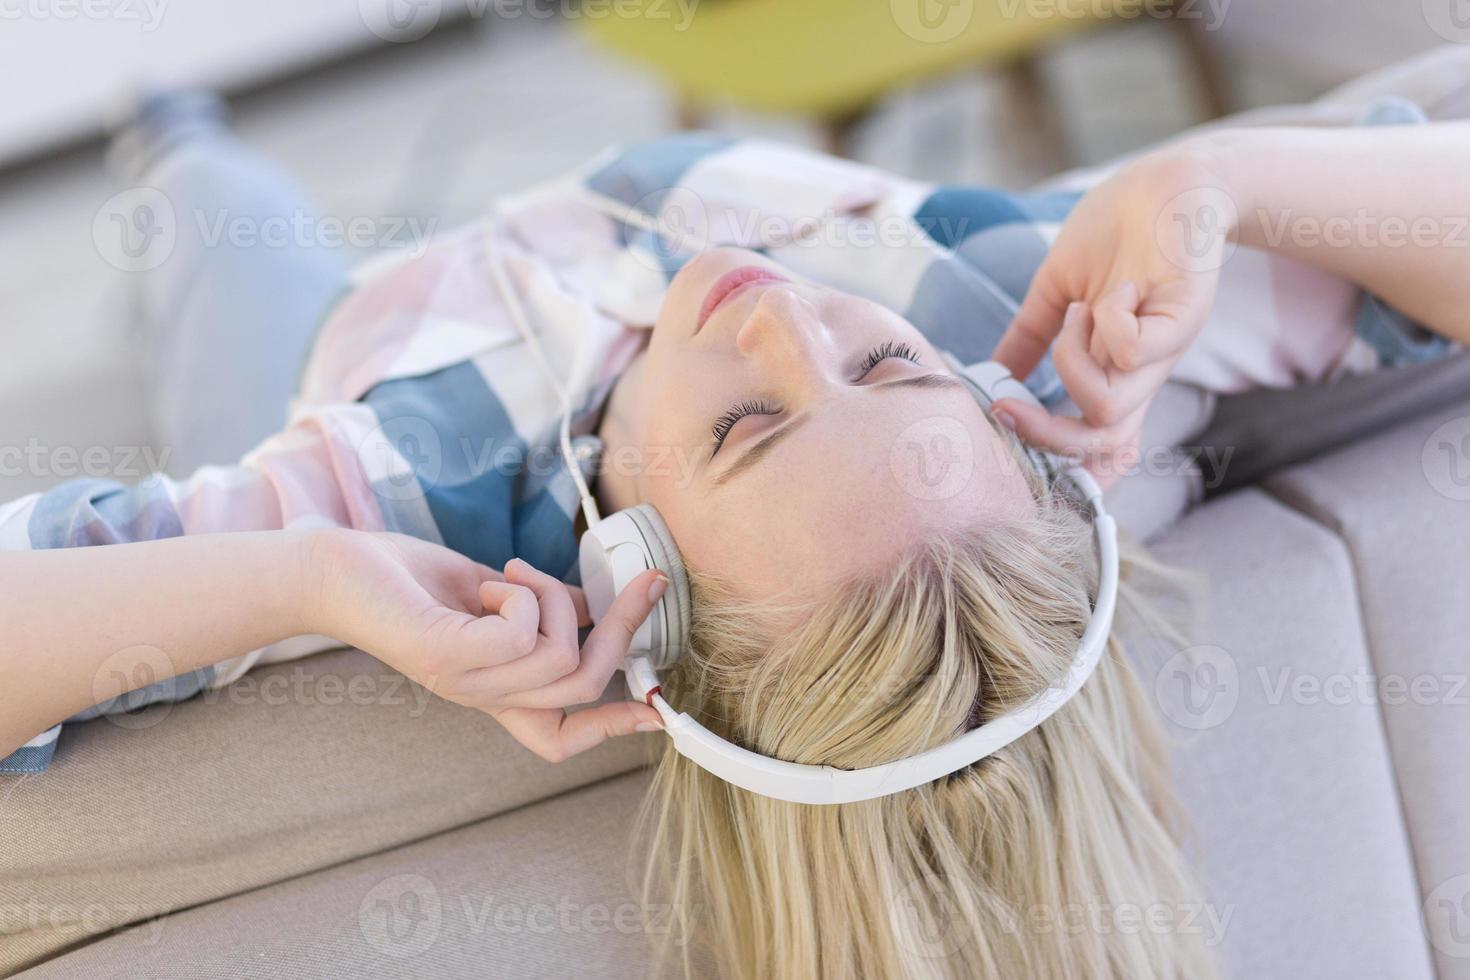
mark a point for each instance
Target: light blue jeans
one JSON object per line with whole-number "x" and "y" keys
{"x": 230, "y": 318}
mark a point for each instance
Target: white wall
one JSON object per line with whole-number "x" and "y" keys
{"x": 66, "y": 65}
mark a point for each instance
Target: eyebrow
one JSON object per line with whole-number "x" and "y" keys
{"x": 771, "y": 440}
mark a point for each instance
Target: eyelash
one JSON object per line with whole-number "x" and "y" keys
{"x": 879, "y": 354}
{"x": 885, "y": 350}
{"x": 726, "y": 422}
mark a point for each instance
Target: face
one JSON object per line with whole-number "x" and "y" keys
{"x": 791, "y": 435}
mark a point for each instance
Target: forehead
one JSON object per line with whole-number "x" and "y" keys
{"x": 860, "y": 482}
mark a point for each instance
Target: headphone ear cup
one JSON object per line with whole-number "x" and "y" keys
{"x": 675, "y": 606}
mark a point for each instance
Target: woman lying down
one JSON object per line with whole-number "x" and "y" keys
{"x": 850, "y": 541}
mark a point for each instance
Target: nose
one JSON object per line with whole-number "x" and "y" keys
{"x": 784, "y": 336}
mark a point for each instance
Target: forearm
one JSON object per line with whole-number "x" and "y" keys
{"x": 1387, "y": 207}
{"x": 80, "y": 623}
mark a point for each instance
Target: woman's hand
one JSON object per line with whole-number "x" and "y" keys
{"x": 1122, "y": 294}
{"x": 506, "y": 644}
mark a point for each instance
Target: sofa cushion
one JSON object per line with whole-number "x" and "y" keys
{"x": 1401, "y": 503}
{"x": 296, "y": 767}
{"x": 540, "y": 892}
{"x": 1296, "y": 827}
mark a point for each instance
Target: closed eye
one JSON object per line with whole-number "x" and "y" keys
{"x": 888, "y": 349}
{"x": 726, "y": 422}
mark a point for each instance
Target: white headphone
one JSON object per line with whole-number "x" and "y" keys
{"x": 617, "y": 549}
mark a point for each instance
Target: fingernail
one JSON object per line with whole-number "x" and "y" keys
{"x": 656, "y": 590}
{"x": 514, "y": 561}
{"x": 648, "y": 726}
{"x": 1004, "y": 420}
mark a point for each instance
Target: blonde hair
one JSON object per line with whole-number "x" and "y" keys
{"x": 1014, "y": 867}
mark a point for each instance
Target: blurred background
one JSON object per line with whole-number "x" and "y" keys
{"x": 423, "y": 110}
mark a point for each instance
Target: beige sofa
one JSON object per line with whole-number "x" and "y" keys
{"x": 325, "y": 818}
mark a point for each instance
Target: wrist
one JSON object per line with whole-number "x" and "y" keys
{"x": 1229, "y": 160}
{"x": 311, "y": 569}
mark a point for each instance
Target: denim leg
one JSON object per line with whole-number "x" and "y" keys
{"x": 232, "y": 311}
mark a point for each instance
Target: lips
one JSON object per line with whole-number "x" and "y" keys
{"x": 731, "y": 283}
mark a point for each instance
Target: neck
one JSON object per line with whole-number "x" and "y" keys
{"x": 617, "y": 485}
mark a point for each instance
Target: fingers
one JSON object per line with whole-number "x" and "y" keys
{"x": 1107, "y": 452}
{"x": 1141, "y": 330}
{"x": 555, "y": 735}
{"x": 1106, "y": 395}
{"x": 579, "y": 600}
{"x": 1035, "y": 326}
{"x": 1120, "y": 301}
{"x": 558, "y": 611}
{"x": 511, "y": 625}
{"x": 605, "y": 649}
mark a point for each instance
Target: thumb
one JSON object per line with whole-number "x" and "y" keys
{"x": 1060, "y": 434}
{"x": 1035, "y": 327}
{"x": 609, "y": 640}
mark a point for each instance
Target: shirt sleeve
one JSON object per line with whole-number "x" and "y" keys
{"x": 333, "y": 467}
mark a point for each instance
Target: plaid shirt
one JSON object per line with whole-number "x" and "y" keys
{"x": 424, "y": 411}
